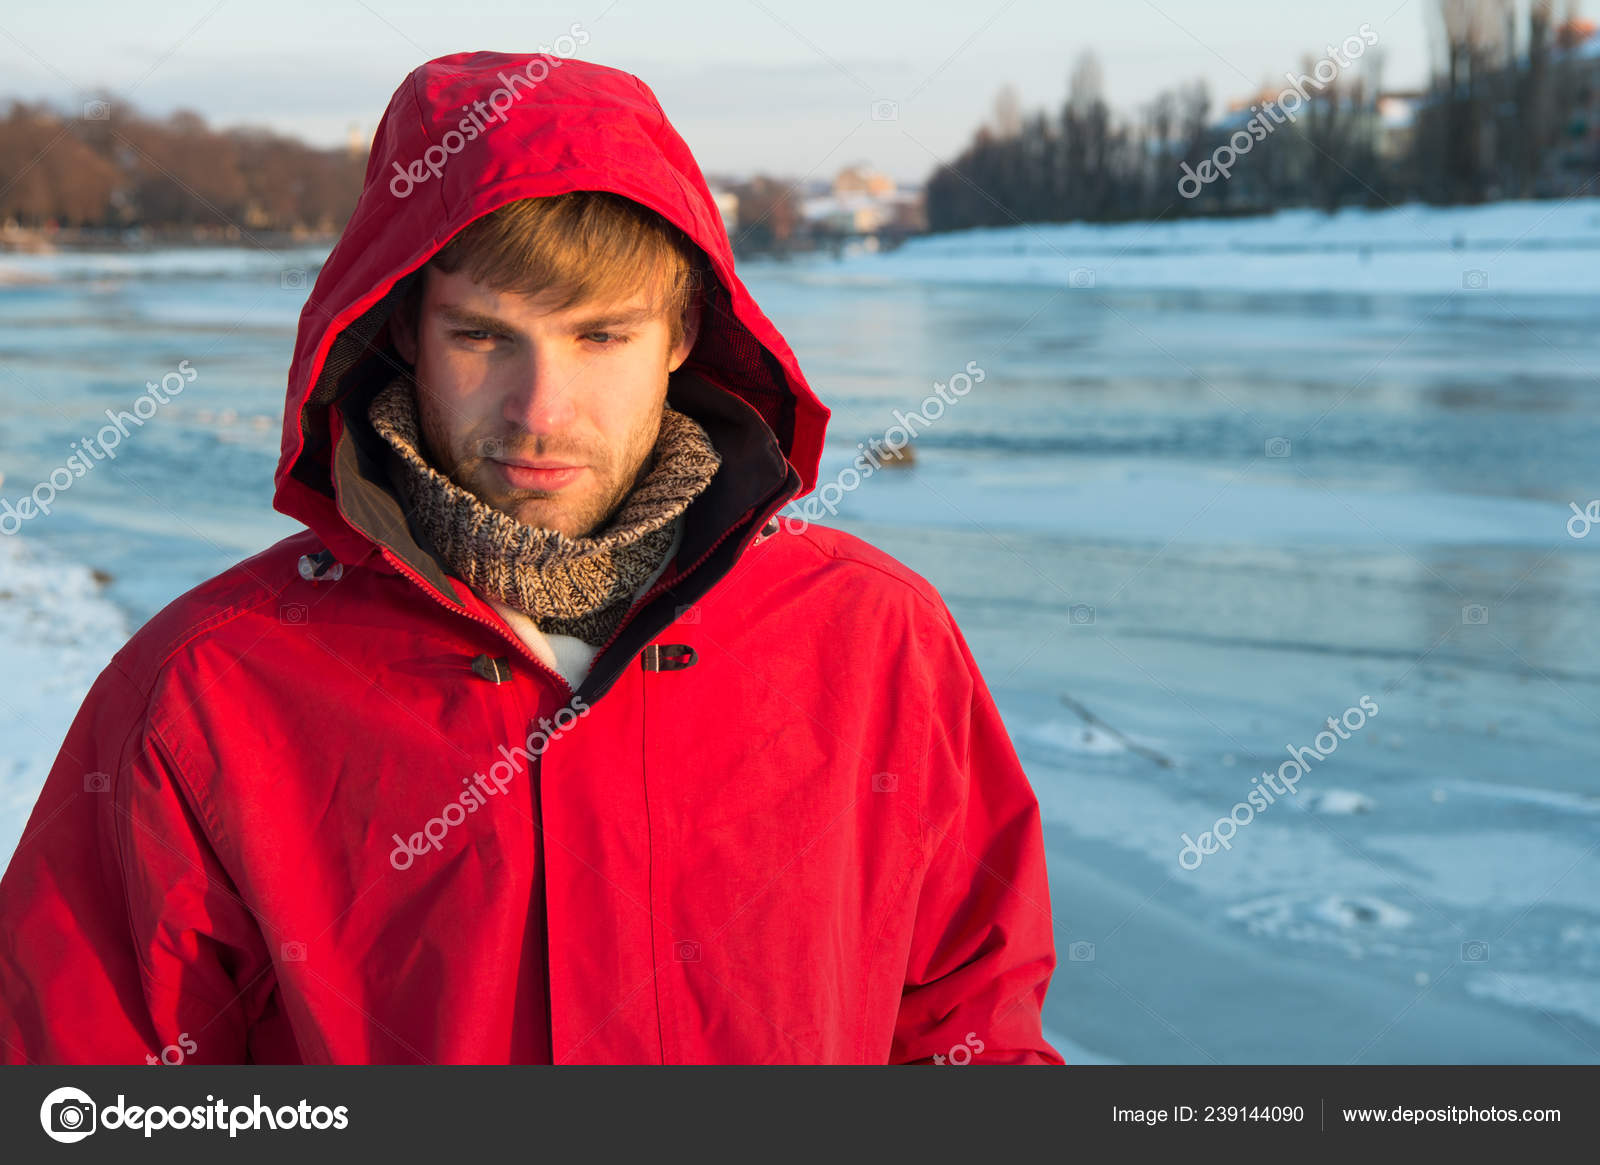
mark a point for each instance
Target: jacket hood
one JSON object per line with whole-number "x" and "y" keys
{"x": 462, "y": 136}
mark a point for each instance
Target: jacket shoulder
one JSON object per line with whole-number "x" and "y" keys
{"x": 244, "y": 587}
{"x": 863, "y": 563}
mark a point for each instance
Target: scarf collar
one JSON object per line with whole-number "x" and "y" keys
{"x": 569, "y": 586}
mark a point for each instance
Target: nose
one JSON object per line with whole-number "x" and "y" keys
{"x": 541, "y": 396}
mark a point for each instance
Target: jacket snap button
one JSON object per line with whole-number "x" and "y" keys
{"x": 668, "y": 657}
{"x": 319, "y": 566}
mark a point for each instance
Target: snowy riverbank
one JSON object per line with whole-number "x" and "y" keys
{"x": 1507, "y": 248}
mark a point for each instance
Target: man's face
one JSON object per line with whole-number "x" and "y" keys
{"x": 548, "y": 416}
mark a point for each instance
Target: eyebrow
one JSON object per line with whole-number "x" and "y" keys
{"x": 483, "y": 322}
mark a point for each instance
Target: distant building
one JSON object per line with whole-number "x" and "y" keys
{"x": 853, "y": 180}
{"x": 1397, "y": 124}
{"x": 1575, "y": 34}
{"x": 850, "y": 215}
{"x": 1576, "y": 156}
{"x": 863, "y": 205}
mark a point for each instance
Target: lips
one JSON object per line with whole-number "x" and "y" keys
{"x": 539, "y": 475}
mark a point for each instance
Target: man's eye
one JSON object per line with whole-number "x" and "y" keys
{"x": 473, "y": 334}
{"x": 606, "y": 339}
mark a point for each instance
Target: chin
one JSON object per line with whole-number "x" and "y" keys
{"x": 540, "y": 513}
{"x": 541, "y": 516}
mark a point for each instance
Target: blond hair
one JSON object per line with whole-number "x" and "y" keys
{"x": 582, "y": 246}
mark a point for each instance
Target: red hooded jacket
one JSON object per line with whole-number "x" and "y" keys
{"x": 328, "y": 808}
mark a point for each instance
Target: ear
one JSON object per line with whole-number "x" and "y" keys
{"x": 691, "y": 332}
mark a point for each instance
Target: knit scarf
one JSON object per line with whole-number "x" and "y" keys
{"x": 569, "y": 586}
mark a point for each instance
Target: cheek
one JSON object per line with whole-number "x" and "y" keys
{"x": 439, "y": 435}
{"x": 452, "y": 424}
{"x": 460, "y": 398}
{"x": 453, "y": 371}
{"x": 636, "y": 388}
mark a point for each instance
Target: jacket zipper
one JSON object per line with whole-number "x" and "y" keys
{"x": 395, "y": 561}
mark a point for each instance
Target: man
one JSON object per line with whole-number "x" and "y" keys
{"x": 545, "y": 742}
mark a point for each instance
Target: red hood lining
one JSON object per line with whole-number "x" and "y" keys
{"x": 355, "y": 359}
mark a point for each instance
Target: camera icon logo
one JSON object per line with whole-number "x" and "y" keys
{"x": 885, "y": 782}
{"x": 1475, "y": 951}
{"x": 96, "y": 111}
{"x": 1278, "y": 447}
{"x": 885, "y": 110}
{"x": 293, "y": 279}
{"x": 688, "y": 614}
{"x": 1474, "y": 614}
{"x": 1081, "y": 277}
{"x": 1080, "y": 952}
{"x": 96, "y": 782}
{"x": 1474, "y": 280}
{"x": 1081, "y": 613}
{"x": 293, "y": 952}
{"x": 68, "y": 1115}
{"x": 292, "y": 614}
{"x": 491, "y": 447}
{"x": 686, "y": 951}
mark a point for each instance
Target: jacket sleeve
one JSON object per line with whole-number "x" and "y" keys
{"x": 121, "y": 937}
{"x": 983, "y": 948}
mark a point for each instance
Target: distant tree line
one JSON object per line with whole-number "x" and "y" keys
{"x": 1505, "y": 115}
{"x": 769, "y": 214}
{"x": 1508, "y": 118}
{"x": 107, "y": 166}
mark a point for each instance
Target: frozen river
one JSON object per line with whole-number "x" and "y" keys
{"x": 1184, "y": 520}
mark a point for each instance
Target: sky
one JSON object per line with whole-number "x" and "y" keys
{"x": 752, "y": 85}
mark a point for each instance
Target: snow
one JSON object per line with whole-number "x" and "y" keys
{"x": 1507, "y": 248}
{"x": 59, "y": 631}
{"x": 1544, "y": 993}
{"x": 1339, "y": 802}
{"x": 1556, "y": 802}
{"x": 1280, "y": 913}
{"x": 189, "y": 262}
